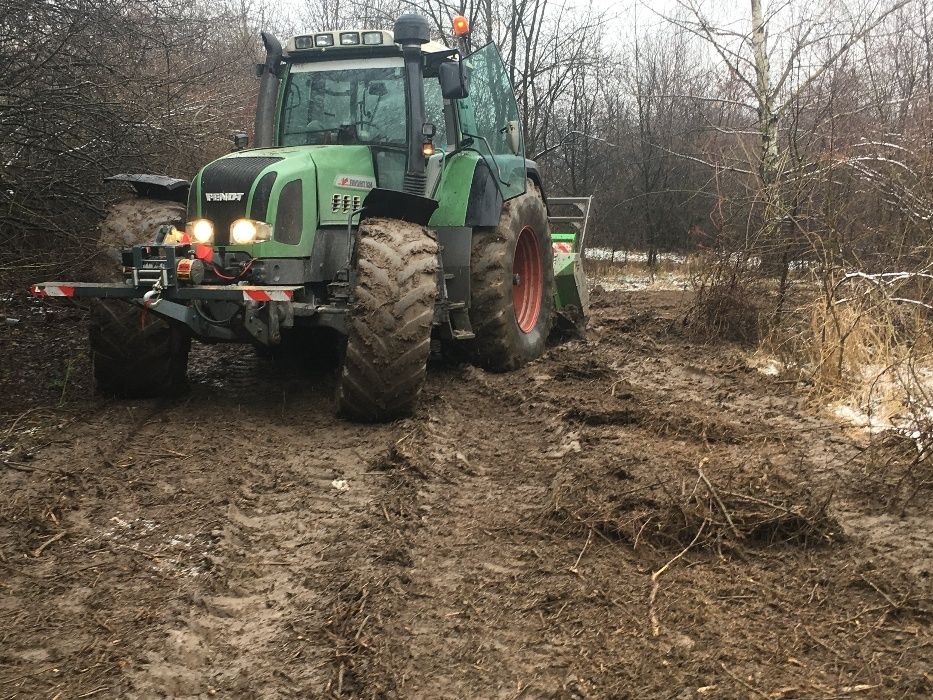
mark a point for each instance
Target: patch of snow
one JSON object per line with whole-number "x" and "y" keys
{"x": 181, "y": 540}
{"x": 893, "y": 401}
{"x": 858, "y": 418}
{"x": 768, "y": 366}
{"x": 137, "y": 526}
{"x": 634, "y": 283}
{"x": 633, "y": 256}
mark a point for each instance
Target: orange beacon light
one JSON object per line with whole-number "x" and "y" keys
{"x": 461, "y": 26}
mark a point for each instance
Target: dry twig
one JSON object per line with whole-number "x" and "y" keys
{"x": 54, "y": 538}
{"x": 652, "y": 614}
{"x": 716, "y": 498}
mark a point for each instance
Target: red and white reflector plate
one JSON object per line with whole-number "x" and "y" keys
{"x": 562, "y": 247}
{"x": 51, "y": 290}
{"x": 263, "y": 295}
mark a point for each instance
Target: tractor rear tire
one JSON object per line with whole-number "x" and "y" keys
{"x": 136, "y": 355}
{"x": 389, "y": 321}
{"x": 512, "y": 285}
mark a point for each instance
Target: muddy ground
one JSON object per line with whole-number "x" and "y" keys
{"x": 631, "y": 516}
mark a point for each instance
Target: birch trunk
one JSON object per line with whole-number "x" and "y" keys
{"x": 767, "y": 119}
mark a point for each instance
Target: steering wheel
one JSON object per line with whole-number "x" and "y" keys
{"x": 308, "y": 133}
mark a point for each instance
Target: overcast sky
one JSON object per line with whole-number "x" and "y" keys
{"x": 623, "y": 15}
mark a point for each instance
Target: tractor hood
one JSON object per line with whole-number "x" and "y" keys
{"x": 296, "y": 189}
{"x": 345, "y": 175}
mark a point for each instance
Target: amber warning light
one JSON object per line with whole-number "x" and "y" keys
{"x": 461, "y": 26}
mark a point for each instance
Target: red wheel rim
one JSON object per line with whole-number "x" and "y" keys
{"x": 527, "y": 280}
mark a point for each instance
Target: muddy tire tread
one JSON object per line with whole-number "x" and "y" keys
{"x": 389, "y": 322}
{"x": 135, "y": 355}
{"x": 498, "y": 344}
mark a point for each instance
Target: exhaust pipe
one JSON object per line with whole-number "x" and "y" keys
{"x": 411, "y": 31}
{"x": 268, "y": 92}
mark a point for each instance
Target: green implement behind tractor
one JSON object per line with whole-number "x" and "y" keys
{"x": 387, "y": 198}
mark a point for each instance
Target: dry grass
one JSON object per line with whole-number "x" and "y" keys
{"x": 868, "y": 354}
{"x": 855, "y": 343}
{"x": 674, "y": 265}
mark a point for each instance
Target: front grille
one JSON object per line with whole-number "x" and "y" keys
{"x": 344, "y": 203}
{"x": 229, "y": 177}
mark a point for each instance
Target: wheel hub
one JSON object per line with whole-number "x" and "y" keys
{"x": 527, "y": 280}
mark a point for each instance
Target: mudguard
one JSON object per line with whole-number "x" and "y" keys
{"x": 155, "y": 186}
{"x": 485, "y": 203}
{"x": 393, "y": 204}
{"x": 531, "y": 169}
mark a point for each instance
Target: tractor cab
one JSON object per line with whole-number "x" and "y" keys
{"x": 410, "y": 101}
{"x": 343, "y": 98}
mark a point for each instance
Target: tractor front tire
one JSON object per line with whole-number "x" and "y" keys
{"x": 389, "y": 321}
{"x": 136, "y": 355}
{"x": 512, "y": 285}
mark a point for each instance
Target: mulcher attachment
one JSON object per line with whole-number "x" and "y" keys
{"x": 568, "y": 230}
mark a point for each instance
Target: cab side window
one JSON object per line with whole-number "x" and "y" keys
{"x": 488, "y": 113}
{"x": 434, "y": 112}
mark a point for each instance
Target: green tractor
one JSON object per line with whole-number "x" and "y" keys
{"x": 387, "y": 198}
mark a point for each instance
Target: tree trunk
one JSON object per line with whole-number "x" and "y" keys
{"x": 767, "y": 120}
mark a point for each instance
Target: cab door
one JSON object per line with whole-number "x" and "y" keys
{"x": 489, "y": 115}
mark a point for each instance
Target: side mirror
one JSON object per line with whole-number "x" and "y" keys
{"x": 513, "y": 133}
{"x": 240, "y": 140}
{"x": 453, "y": 82}
{"x": 377, "y": 89}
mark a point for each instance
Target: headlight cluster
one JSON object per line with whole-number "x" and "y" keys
{"x": 201, "y": 230}
{"x": 242, "y": 231}
{"x": 329, "y": 39}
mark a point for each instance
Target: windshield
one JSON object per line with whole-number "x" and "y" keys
{"x": 325, "y": 103}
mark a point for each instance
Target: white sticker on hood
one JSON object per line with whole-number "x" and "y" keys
{"x": 355, "y": 182}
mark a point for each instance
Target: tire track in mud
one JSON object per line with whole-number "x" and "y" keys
{"x": 284, "y": 542}
{"x": 206, "y": 541}
{"x": 494, "y": 592}
{"x": 457, "y": 605}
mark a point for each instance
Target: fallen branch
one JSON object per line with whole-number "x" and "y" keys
{"x": 655, "y": 625}
{"x": 738, "y": 680}
{"x": 9, "y": 431}
{"x": 54, "y": 538}
{"x": 575, "y": 568}
{"x": 715, "y": 495}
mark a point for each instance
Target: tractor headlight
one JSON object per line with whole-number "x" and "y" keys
{"x": 244, "y": 231}
{"x": 200, "y": 230}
